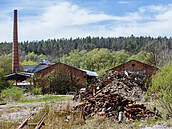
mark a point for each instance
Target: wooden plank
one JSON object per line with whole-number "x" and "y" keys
{"x": 24, "y": 122}
{"x": 41, "y": 122}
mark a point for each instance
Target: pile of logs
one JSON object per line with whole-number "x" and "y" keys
{"x": 116, "y": 82}
{"x": 116, "y": 107}
{"x": 114, "y": 95}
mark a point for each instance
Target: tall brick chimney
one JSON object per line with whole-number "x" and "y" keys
{"x": 15, "y": 57}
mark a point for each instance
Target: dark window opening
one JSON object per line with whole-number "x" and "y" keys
{"x": 133, "y": 65}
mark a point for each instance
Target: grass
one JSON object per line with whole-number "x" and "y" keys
{"x": 44, "y": 98}
{"x": 57, "y": 115}
{"x": 58, "y": 112}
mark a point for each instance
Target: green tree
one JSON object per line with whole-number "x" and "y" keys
{"x": 29, "y": 62}
{"x": 102, "y": 59}
{"x": 6, "y": 63}
{"x": 64, "y": 59}
{"x": 139, "y": 57}
{"x": 71, "y": 56}
{"x": 41, "y": 83}
{"x": 3, "y": 82}
{"x": 31, "y": 56}
{"x": 162, "y": 87}
{"x": 79, "y": 58}
{"x": 151, "y": 59}
{"x": 120, "y": 57}
{"x": 41, "y": 57}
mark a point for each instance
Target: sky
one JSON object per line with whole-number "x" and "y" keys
{"x": 49, "y": 19}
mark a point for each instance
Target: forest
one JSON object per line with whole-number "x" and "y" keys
{"x": 91, "y": 53}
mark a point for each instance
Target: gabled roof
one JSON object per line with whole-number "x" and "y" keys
{"x": 135, "y": 61}
{"x": 35, "y": 68}
{"x": 89, "y": 73}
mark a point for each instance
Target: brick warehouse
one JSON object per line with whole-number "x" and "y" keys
{"x": 136, "y": 66}
{"x": 83, "y": 75}
{"x": 79, "y": 74}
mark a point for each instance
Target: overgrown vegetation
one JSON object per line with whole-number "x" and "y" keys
{"x": 44, "y": 98}
{"x": 61, "y": 116}
{"x": 11, "y": 94}
{"x": 3, "y": 82}
{"x": 59, "y": 81}
{"x": 55, "y": 82}
{"x": 161, "y": 88}
{"x": 36, "y": 90}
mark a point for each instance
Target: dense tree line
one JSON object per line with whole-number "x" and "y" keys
{"x": 92, "y": 53}
{"x": 58, "y": 47}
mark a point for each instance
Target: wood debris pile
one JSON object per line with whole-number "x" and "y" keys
{"x": 116, "y": 82}
{"x": 111, "y": 105}
{"x": 114, "y": 95}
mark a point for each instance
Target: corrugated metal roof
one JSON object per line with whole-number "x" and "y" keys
{"x": 21, "y": 74}
{"x": 34, "y": 68}
{"x": 90, "y": 73}
{"x": 23, "y": 83}
{"x": 17, "y": 76}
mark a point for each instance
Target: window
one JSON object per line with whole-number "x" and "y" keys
{"x": 133, "y": 65}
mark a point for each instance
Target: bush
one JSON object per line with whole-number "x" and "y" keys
{"x": 161, "y": 87}
{"x": 3, "y": 82}
{"x": 59, "y": 82}
{"x": 36, "y": 90}
{"x": 40, "y": 83}
{"x": 11, "y": 94}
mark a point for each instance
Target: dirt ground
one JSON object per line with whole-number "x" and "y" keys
{"x": 12, "y": 112}
{"x": 15, "y": 111}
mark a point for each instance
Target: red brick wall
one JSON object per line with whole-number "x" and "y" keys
{"x": 81, "y": 75}
{"x": 134, "y": 65}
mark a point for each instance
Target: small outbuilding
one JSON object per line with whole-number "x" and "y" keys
{"x": 136, "y": 67}
{"x": 18, "y": 76}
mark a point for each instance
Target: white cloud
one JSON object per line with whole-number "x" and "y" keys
{"x": 150, "y": 21}
{"x": 65, "y": 20}
{"x": 123, "y": 2}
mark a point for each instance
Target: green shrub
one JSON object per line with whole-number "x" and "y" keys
{"x": 36, "y": 90}
{"x": 14, "y": 93}
{"x": 3, "y": 82}
{"x": 161, "y": 88}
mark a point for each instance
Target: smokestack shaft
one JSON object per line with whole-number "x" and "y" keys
{"x": 15, "y": 58}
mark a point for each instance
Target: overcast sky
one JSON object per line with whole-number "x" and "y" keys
{"x": 49, "y": 19}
